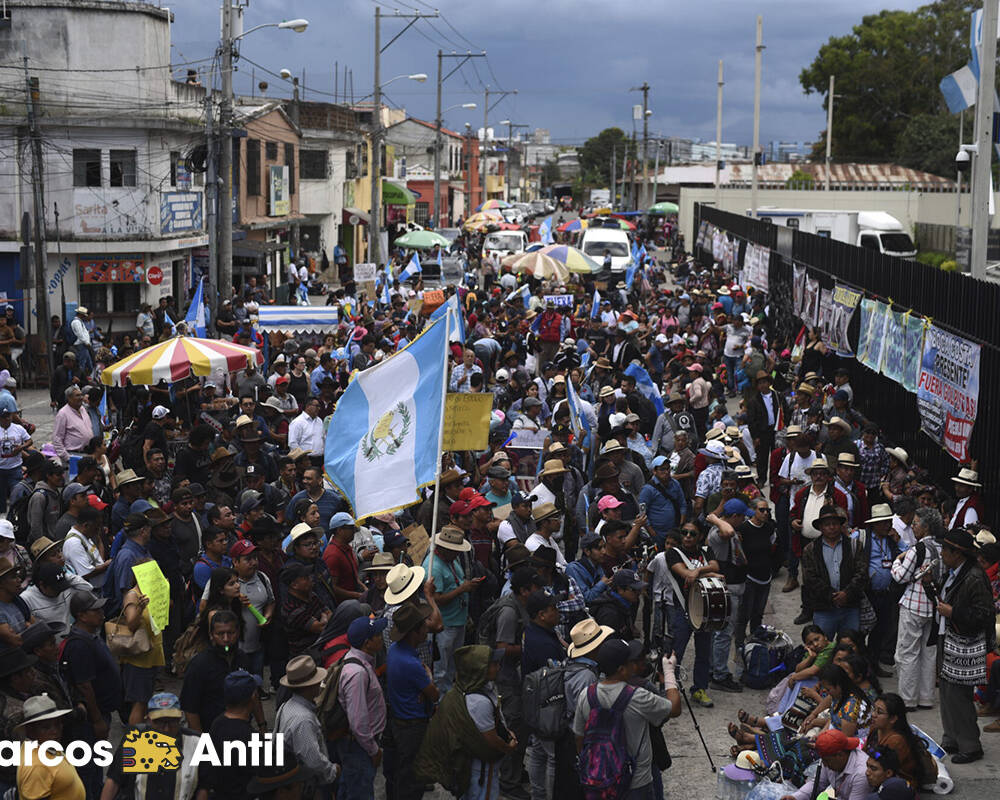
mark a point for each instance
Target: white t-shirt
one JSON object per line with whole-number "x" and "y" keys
{"x": 662, "y": 588}
{"x": 83, "y": 557}
{"x": 10, "y": 437}
{"x": 794, "y": 466}
{"x": 736, "y": 339}
{"x": 536, "y": 540}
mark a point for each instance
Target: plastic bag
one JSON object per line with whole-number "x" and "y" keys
{"x": 768, "y": 790}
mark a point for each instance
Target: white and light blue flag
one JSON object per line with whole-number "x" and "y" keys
{"x": 411, "y": 269}
{"x": 577, "y": 418}
{"x": 645, "y": 385}
{"x": 545, "y": 231}
{"x": 457, "y": 333}
{"x": 525, "y": 293}
{"x": 196, "y": 312}
{"x": 595, "y": 305}
{"x": 388, "y": 422}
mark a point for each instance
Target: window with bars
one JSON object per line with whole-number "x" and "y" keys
{"x": 86, "y": 167}
{"x": 123, "y": 168}
{"x": 271, "y": 151}
{"x": 253, "y": 167}
{"x": 312, "y": 164}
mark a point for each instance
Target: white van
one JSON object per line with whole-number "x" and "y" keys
{"x": 505, "y": 242}
{"x": 596, "y": 240}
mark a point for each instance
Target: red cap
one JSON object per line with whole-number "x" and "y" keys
{"x": 831, "y": 741}
{"x": 283, "y": 379}
{"x": 241, "y": 547}
{"x": 459, "y": 508}
{"x": 96, "y": 502}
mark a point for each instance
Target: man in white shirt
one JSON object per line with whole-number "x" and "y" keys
{"x": 547, "y": 523}
{"x": 81, "y": 552}
{"x": 82, "y": 344}
{"x": 306, "y": 430}
{"x": 14, "y": 439}
{"x": 902, "y": 520}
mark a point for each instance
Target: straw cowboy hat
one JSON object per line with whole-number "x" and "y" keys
{"x": 39, "y": 708}
{"x": 818, "y": 463}
{"x": 586, "y": 636}
{"x": 128, "y": 476}
{"x": 402, "y": 582}
{"x": 899, "y": 454}
{"x": 382, "y": 562}
{"x": 969, "y": 477}
{"x": 452, "y": 539}
{"x": 881, "y": 512}
{"x": 301, "y": 672}
{"x": 554, "y": 466}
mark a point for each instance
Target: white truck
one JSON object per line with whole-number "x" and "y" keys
{"x": 873, "y": 230}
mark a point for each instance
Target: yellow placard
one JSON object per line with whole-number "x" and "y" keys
{"x": 467, "y": 421}
{"x": 151, "y": 583}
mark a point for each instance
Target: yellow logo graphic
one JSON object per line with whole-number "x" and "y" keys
{"x": 149, "y": 751}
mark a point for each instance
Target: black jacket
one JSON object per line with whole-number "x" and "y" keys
{"x": 757, "y": 413}
{"x": 612, "y": 610}
{"x": 817, "y": 591}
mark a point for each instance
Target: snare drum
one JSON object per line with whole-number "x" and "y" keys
{"x": 709, "y": 604}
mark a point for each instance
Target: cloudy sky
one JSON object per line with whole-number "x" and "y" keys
{"x": 571, "y": 62}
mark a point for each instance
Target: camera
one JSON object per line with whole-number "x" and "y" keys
{"x": 963, "y": 162}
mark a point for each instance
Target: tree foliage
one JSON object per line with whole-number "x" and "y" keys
{"x": 929, "y": 143}
{"x": 595, "y": 155}
{"x": 887, "y": 73}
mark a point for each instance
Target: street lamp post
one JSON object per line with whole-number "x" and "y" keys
{"x": 437, "y": 156}
{"x": 225, "y": 213}
{"x": 510, "y": 131}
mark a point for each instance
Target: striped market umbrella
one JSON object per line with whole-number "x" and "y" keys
{"x": 491, "y": 205}
{"x": 538, "y": 264}
{"x": 573, "y": 225}
{"x": 574, "y": 260}
{"x": 179, "y": 357}
{"x": 481, "y": 220}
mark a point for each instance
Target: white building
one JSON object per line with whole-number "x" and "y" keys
{"x": 117, "y": 132}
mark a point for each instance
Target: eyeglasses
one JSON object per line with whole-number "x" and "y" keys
{"x": 765, "y": 509}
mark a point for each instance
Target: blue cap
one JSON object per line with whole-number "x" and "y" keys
{"x": 364, "y": 628}
{"x": 139, "y": 506}
{"x": 342, "y": 520}
{"x": 659, "y": 461}
{"x": 239, "y": 686}
{"x": 164, "y": 704}
{"x": 735, "y": 506}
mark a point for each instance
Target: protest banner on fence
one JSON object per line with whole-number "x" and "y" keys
{"x": 825, "y": 314}
{"x": 810, "y": 303}
{"x": 913, "y": 347}
{"x": 870, "y": 335}
{"x": 845, "y": 300}
{"x": 893, "y": 343}
{"x": 798, "y": 288}
{"x": 948, "y": 390}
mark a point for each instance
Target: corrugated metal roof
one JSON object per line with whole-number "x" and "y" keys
{"x": 854, "y": 176}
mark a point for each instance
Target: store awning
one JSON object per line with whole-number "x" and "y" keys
{"x": 395, "y": 195}
{"x": 355, "y": 216}
{"x": 298, "y": 319}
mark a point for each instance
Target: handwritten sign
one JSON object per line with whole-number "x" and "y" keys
{"x": 560, "y": 299}
{"x": 419, "y": 542}
{"x": 467, "y": 421}
{"x": 365, "y": 272}
{"x": 433, "y": 300}
{"x": 151, "y": 583}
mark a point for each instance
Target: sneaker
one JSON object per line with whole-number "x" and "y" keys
{"x": 700, "y": 696}
{"x": 726, "y": 684}
{"x": 803, "y": 617}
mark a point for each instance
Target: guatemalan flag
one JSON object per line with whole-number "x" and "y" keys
{"x": 170, "y": 322}
{"x": 545, "y": 231}
{"x": 457, "y": 333}
{"x": 645, "y": 385}
{"x": 630, "y": 274}
{"x": 525, "y": 292}
{"x": 196, "y": 312}
{"x": 413, "y": 268}
{"x": 388, "y": 423}
{"x": 595, "y": 305}
{"x": 577, "y": 418}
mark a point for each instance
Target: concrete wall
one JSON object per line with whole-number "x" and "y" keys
{"x": 908, "y": 207}
{"x": 323, "y": 200}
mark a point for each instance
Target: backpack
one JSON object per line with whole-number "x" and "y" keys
{"x": 332, "y": 715}
{"x": 605, "y": 763}
{"x": 765, "y": 656}
{"x": 486, "y": 630}
{"x": 896, "y": 590}
{"x": 928, "y": 765}
{"x": 17, "y": 514}
{"x": 545, "y": 710}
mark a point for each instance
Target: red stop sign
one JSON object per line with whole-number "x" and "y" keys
{"x": 155, "y": 276}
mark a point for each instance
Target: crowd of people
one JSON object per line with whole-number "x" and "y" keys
{"x": 653, "y": 448}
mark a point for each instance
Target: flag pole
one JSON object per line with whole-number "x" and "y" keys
{"x": 440, "y": 447}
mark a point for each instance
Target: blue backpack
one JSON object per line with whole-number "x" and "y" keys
{"x": 605, "y": 764}
{"x": 765, "y": 657}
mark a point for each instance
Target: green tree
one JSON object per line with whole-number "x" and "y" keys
{"x": 887, "y": 73}
{"x": 929, "y": 143}
{"x": 595, "y": 155}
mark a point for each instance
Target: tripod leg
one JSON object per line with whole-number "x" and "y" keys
{"x": 697, "y": 727}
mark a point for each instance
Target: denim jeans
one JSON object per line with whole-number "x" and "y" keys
{"x": 357, "y": 776}
{"x": 731, "y": 363}
{"x": 448, "y": 641}
{"x": 8, "y": 480}
{"x": 680, "y": 629}
{"x": 254, "y": 662}
{"x": 838, "y": 619}
{"x": 722, "y": 641}
{"x": 484, "y": 781}
{"x": 540, "y": 759}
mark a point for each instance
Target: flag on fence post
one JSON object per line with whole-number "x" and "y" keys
{"x": 195, "y": 317}
{"x": 388, "y": 422}
{"x": 645, "y": 385}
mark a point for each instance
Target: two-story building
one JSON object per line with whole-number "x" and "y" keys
{"x": 122, "y": 173}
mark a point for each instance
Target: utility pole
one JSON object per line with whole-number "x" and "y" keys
{"x": 437, "y": 127}
{"x": 641, "y": 196}
{"x": 500, "y": 95}
{"x": 375, "y": 161}
{"x": 756, "y": 114}
{"x": 224, "y": 283}
{"x": 718, "y": 138}
{"x": 656, "y": 171}
{"x": 981, "y": 182}
{"x": 829, "y": 131}
{"x": 211, "y": 210}
{"x": 38, "y": 204}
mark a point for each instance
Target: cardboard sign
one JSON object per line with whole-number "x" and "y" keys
{"x": 467, "y": 421}
{"x": 365, "y": 272}
{"x": 433, "y": 300}
{"x": 419, "y": 543}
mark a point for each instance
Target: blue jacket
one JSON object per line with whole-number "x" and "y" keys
{"x": 662, "y": 513}
{"x": 588, "y": 576}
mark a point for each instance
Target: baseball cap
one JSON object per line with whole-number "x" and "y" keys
{"x": 342, "y": 520}
{"x": 364, "y": 628}
{"x": 85, "y": 601}
{"x": 520, "y": 498}
{"x": 608, "y": 501}
{"x": 71, "y": 491}
{"x": 612, "y": 655}
{"x": 895, "y": 789}
{"x": 53, "y": 575}
{"x": 459, "y": 509}
{"x": 239, "y": 686}
{"x": 590, "y": 540}
{"x": 659, "y": 461}
{"x": 241, "y": 547}
{"x": 160, "y": 412}
{"x": 6, "y": 529}
{"x": 626, "y": 579}
{"x": 832, "y": 741}
{"x": 164, "y": 704}
{"x": 96, "y": 502}
{"x": 282, "y": 379}
{"x": 538, "y": 601}
{"x": 250, "y": 502}
{"x": 735, "y": 506}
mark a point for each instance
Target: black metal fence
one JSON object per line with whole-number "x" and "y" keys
{"x": 967, "y": 307}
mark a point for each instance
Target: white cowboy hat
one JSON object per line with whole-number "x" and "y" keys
{"x": 899, "y": 453}
{"x": 881, "y": 512}
{"x": 967, "y": 476}
{"x": 586, "y": 636}
{"x": 401, "y": 582}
